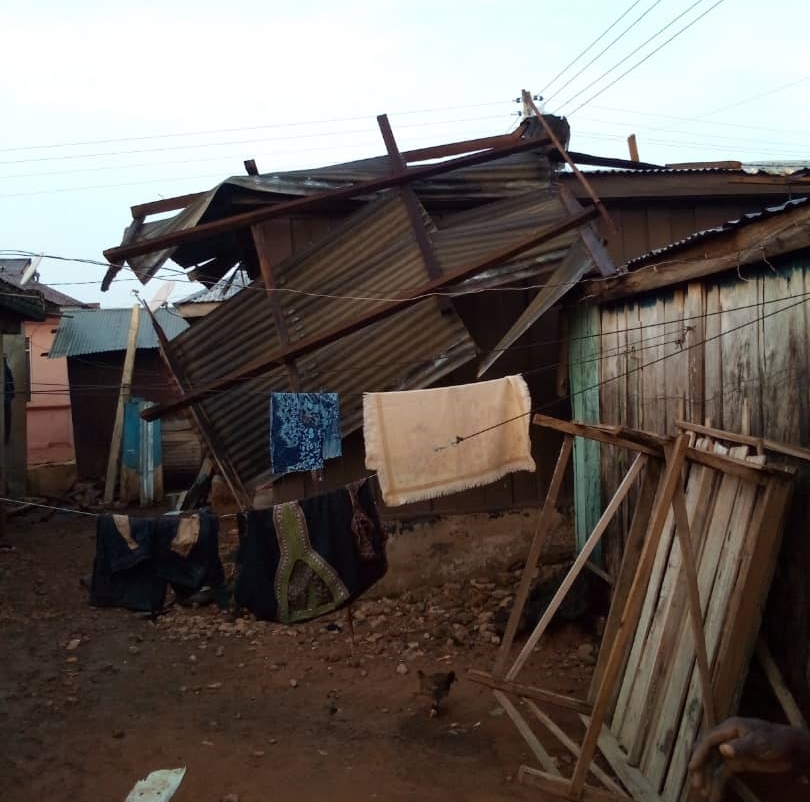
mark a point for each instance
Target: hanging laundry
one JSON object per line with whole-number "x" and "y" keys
{"x": 428, "y": 443}
{"x": 304, "y": 430}
{"x": 302, "y": 559}
{"x": 138, "y": 558}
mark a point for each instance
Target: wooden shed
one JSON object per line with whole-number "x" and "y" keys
{"x": 709, "y": 330}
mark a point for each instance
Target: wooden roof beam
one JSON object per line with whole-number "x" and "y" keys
{"x": 245, "y": 219}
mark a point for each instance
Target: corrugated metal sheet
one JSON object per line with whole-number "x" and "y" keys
{"x": 502, "y": 178}
{"x": 763, "y": 168}
{"x": 347, "y": 274}
{"x": 708, "y": 233}
{"x": 225, "y": 288}
{"x": 91, "y": 331}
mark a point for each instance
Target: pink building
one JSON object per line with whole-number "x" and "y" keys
{"x": 49, "y": 421}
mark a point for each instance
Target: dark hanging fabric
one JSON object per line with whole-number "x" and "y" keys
{"x": 305, "y": 558}
{"x": 138, "y": 558}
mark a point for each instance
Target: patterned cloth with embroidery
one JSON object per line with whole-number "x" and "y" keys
{"x": 304, "y": 430}
{"x": 302, "y": 559}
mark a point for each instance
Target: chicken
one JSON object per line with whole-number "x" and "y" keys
{"x": 436, "y": 686}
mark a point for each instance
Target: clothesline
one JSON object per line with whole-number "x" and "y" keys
{"x": 25, "y": 503}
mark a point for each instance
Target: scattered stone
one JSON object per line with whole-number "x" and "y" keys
{"x": 272, "y": 740}
{"x": 230, "y": 798}
{"x": 402, "y": 669}
{"x": 214, "y": 685}
{"x": 293, "y": 683}
{"x": 192, "y": 658}
{"x": 72, "y": 659}
{"x": 363, "y": 672}
{"x": 496, "y": 712}
{"x": 134, "y": 649}
{"x": 73, "y": 644}
{"x": 220, "y": 651}
{"x": 587, "y": 653}
{"x": 258, "y": 753}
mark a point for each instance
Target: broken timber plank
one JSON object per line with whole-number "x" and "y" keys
{"x": 561, "y": 787}
{"x": 572, "y": 747}
{"x": 543, "y": 757}
{"x": 576, "y": 568}
{"x": 529, "y": 692}
{"x": 530, "y": 568}
{"x": 757, "y": 442}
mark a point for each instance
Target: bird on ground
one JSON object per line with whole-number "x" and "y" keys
{"x": 437, "y": 687}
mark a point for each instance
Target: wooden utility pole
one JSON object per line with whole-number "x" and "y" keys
{"x": 118, "y": 427}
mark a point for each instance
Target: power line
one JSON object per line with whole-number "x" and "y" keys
{"x": 243, "y": 128}
{"x": 230, "y": 143}
{"x": 603, "y": 51}
{"x": 633, "y": 52}
{"x": 594, "y": 42}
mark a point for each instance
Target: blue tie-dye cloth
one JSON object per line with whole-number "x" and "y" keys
{"x": 304, "y": 430}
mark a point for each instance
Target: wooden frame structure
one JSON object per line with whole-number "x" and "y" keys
{"x": 683, "y": 622}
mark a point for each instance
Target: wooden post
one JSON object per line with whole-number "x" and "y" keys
{"x": 118, "y": 427}
{"x": 632, "y": 146}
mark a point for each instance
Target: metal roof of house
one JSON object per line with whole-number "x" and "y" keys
{"x": 756, "y": 238}
{"x": 27, "y": 305}
{"x": 225, "y": 288}
{"x": 12, "y": 270}
{"x": 708, "y": 233}
{"x": 92, "y": 331}
{"x": 507, "y": 175}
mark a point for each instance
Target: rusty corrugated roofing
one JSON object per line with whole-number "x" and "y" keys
{"x": 507, "y": 176}
{"x": 351, "y": 271}
{"x": 708, "y": 233}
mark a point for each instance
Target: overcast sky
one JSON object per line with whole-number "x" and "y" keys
{"x": 109, "y": 104}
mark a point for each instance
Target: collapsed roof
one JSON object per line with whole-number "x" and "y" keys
{"x": 368, "y": 305}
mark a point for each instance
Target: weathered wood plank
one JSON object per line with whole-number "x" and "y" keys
{"x": 558, "y": 786}
{"x": 576, "y": 568}
{"x": 635, "y": 782}
{"x": 632, "y": 552}
{"x": 544, "y": 523}
{"x": 572, "y": 747}
{"x": 539, "y": 751}
{"x": 675, "y": 462}
{"x": 529, "y": 692}
{"x": 728, "y": 561}
{"x": 713, "y": 360}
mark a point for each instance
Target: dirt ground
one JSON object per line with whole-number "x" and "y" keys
{"x": 92, "y": 700}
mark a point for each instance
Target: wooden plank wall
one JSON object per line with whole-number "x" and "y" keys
{"x": 732, "y": 349}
